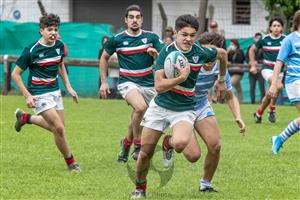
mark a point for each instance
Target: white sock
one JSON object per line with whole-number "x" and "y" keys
{"x": 204, "y": 184}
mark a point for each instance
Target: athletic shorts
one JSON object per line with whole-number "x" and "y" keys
{"x": 48, "y": 100}
{"x": 204, "y": 112}
{"x": 293, "y": 90}
{"x": 267, "y": 73}
{"x": 159, "y": 118}
{"x": 147, "y": 92}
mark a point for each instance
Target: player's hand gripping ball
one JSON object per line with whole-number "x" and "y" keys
{"x": 174, "y": 58}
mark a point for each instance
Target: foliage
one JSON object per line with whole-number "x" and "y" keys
{"x": 287, "y": 8}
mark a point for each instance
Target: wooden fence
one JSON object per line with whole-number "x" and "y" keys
{"x": 8, "y": 60}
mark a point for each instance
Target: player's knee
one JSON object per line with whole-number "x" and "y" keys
{"x": 140, "y": 109}
{"x": 180, "y": 145}
{"x": 193, "y": 158}
{"x": 59, "y": 129}
{"x": 144, "y": 155}
{"x": 147, "y": 150}
{"x": 214, "y": 148}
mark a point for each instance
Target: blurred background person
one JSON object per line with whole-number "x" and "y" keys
{"x": 236, "y": 56}
{"x": 168, "y": 40}
{"x": 169, "y": 32}
{"x": 213, "y": 27}
{"x": 255, "y": 76}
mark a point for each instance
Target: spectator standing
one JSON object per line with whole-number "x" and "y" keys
{"x": 255, "y": 76}
{"x": 236, "y": 56}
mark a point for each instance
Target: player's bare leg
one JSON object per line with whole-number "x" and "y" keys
{"x": 149, "y": 140}
{"x": 209, "y": 131}
{"x": 134, "y": 128}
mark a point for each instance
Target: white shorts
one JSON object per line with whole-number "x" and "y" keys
{"x": 147, "y": 92}
{"x": 159, "y": 118}
{"x": 48, "y": 100}
{"x": 293, "y": 91}
{"x": 267, "y": 73}
{"x": 206, "y": 111}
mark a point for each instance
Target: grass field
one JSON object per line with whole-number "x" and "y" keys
{"x": 32, "y": 168}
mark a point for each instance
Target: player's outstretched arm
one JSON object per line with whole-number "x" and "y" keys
{"x": 65, "y": 79}
{"x": 220, "y": 87}
{"x": 234, "y": 106}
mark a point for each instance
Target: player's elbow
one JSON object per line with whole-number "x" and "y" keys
{"x": 158, "y": 88}
{"x": 222, "y": 54}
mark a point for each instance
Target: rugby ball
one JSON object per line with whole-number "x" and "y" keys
{"x": 177, "y": 58}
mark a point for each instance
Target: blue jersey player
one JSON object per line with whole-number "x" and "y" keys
{"x": 289, "y": 53}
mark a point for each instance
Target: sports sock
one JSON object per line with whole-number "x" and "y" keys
{"x": 272, "y": 108}
{"x": 141, "y": 185}
{"x": 290, "y": 130}
{"x": 204, "y": 184}
{"x": 137, "y": 141}
{"x": 166, "y": 142}
{"x": 26, "y": 118}
{"x": 70, "y": 160}
{"x": 259, "y": 112}
{"x": 127, "y": 143}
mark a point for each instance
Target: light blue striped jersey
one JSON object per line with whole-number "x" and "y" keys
{"x": 290, "y": 53}
{"x": 205, "y": 81}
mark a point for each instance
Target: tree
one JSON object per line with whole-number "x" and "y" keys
{"x": 283, "y": 8}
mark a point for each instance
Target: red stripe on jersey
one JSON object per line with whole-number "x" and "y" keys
{"x": 189, "y": 94}
{"x": 132, "y": 51}
{"x": 270, "y": 50}
{"x": 49, "y": 63}
{"x": 269, "y": 64}
{"x": 196, "y": 68}
{"x": 136, "y": 74}
{"x": 42, "y": 82}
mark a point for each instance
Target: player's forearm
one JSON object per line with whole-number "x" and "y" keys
{"x": 222, "y": 56}
{"x": 234, "y": 106}
{"x": 162, "y": 84}
{"x": 64, "y": 76}
{"x": 19, "y": 82}
{"x": 252, "y": 55}
{"x": 276, "y": 71}
{"x": 103, "y": 66}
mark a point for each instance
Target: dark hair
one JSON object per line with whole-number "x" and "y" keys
{"x": 257, "y": 34}
{"x": 278, "y": 19}
{"x": 104, "y": 37}
{"x": 236, "y": 43}
{"x": 49, "y": 20}
{"x": 133, "y": 8}
{"x": 186, "y": 21}
{"x": 296, "y": 20}
{"x": 212, "y": 38}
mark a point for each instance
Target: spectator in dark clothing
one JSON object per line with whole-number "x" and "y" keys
{"x": 236, "y": 56}
{"x": 255, "y": 76}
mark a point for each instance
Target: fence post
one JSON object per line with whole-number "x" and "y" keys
{"x": 7, "y": 75}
